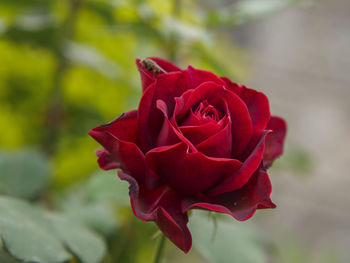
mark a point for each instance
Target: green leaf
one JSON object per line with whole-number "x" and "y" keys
{"x": 232, "y": 241}
{"x": 84, "y": 244}
{"x": 106, "y": 186}
{"x": 23, "y": 174}
{"x": 27, "y": 235}
{"x": 98, "y": 216}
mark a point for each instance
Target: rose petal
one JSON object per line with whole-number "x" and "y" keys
{"x": 274, "y": 141}
{"x": 189, "y": 173}
{"x": 163, "y": 206}
{"x": 118, "y": 138}
{"x": 107, "y": 161}
{"x": 148, "y": 77}
{"x": 241, "y": 177}
{"x": 218, "y": 145}
{"x": 124, "y": 127}
{"x": 221, "y": 99}
{"x": 242, "y": 203}
{"x": 169, "y": 133}
{"x": 258, "y": 107}
{"x": 175, "y": 228}
{"x": 197, "y": 76}
{"x": 197, "y": 134}
{"x": 166, "y": 88}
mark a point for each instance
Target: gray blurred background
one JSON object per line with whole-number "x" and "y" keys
{"x": 301, "y": 59}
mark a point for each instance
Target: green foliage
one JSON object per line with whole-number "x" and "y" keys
{"x": 27, "y": 235}
{"x": 230, "y": 242}
{"x": 84, "y": 244}
{"x": 31, "y": 236}
{"x": 23, "y": 174}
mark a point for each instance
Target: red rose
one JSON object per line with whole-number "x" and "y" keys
{"x": 196, "y": 141}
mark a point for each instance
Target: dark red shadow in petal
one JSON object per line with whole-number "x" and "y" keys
{"x": 242, "y": 203}
{"x": 107, "y": 161}
{"x": 275, "y": 140}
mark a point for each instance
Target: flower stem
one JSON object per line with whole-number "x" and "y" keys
{"x": 160, "y": 249}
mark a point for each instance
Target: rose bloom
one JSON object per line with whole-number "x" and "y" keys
{"x": 195, "y": 141}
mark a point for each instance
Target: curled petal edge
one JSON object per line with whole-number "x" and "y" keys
{"x": 239, "y": 204}
{"x": 167, "y": 215}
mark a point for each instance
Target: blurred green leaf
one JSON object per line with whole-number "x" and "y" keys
{"x": 94, "y": 201}
{"x": 102, "y": 186}
{"x": 106, "y": 186}
{"x": 84, "y": 244}
{"x": 97, "y": 216}
{"x": 27, "y": 235}
{"x": 23, "y": 174}
{"x": 230, "y": 242}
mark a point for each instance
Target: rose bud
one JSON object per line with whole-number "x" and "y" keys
{"x": 195, "y": 141}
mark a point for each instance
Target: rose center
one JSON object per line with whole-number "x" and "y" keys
{"x": 207, "y": 111}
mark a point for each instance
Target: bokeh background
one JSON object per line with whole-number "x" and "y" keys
{"x": 67, "y": 66}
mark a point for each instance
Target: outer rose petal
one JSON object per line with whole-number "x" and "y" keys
{"x": 118, "y": 138}
{"x": 258, "y": 107}
{"x": 163, "y": 206}
{"x": 274, "y": 141}
{"x": 241, "y": 177}
{"x": 198, "y": 76}
{"x": 106, "y": 161}
{"x": 189, "y": 173}
{"x": 242, "y": 203}
{"x": 148, "y": 77}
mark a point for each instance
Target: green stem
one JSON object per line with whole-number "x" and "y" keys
{"x": 177, "y": 6}
{"x": 160, "y": 249}
{"x": 54, "y": 115}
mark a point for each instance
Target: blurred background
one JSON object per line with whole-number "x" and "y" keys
{"x": 67, "y": 66}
